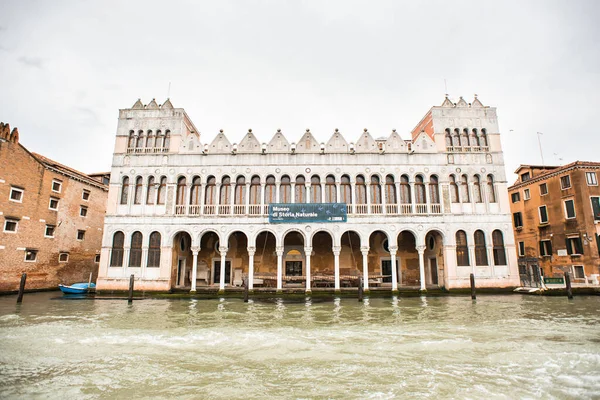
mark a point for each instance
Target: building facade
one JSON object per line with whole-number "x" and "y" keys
{"x": 52, "y": 219}
{"x": 556, "y": 211}
{"x": 419, "y": 213}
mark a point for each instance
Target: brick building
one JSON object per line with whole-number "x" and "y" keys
{"x": 556, "y": 211}
{"x": 52, "y": 218}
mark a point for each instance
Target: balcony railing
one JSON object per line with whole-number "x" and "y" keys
{"x": 256, "y": 210}
{"x": 146, "y": 150}
{"x": 467, "y": 149}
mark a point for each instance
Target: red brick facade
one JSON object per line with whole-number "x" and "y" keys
{"x": 34, "y": 176}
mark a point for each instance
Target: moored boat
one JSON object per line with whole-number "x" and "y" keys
{"x": 77, "y": 288}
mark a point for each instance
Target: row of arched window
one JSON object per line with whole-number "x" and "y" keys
{"x": 156, "y": 193}
{"x": 149, "y": 140}
{"x": 460, "y": 193}
{"x": 135, "y": 250}
{"x": 481, "y": 255}
{"x": 465, "y": 138}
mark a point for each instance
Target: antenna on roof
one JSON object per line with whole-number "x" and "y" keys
{"x": 540, "y": 143}
{"x": 169, "y": 91}
{"x": 445, "y": 87}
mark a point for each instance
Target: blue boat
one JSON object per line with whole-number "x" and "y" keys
{"x": 78, "y": 288}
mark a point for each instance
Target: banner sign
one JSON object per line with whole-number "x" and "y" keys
{"x": 554, "y": 281}
{"x": 286, "y": 213}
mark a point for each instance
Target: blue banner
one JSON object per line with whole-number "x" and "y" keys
{"x": 285, "y": 213}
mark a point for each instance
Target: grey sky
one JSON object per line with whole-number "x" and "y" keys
{"x": 66, "y": 67}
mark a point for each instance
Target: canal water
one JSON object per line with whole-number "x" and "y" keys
{"x": 501, "y": 347}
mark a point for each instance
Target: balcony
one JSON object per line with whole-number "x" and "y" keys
{"x": 467, "y": 149}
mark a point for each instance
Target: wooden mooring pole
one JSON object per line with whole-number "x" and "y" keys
{"x": 360, "y": 289}
{"x": 245, "y": 291}
{"x": 130, "y": 297}
{"x": 21, "y": 288}
{"x": 568, "y": 284}
{"x": 473, "y": 294}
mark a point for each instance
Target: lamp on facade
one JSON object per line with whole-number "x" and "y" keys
{"x": 205, "y": 149}
{"x": 293, "y": 148}
{"x": 264, "y": 148}
{"x": 352, "y": 151}
{"x": 322, "y": 148}
{"x": 234, "y": 149}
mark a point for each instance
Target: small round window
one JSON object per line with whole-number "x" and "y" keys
{"x": 386, "y": 245}
{"x": 431, "y": 242}
{"x": 182, "y": 244}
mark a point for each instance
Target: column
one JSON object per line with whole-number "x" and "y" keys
{"x": 231, "y": 197}
{"x": 293, "y": 192}
{"x": 398, "y": 200}
{"x": 484, "y": 195}
{"x": 307, "y": 191}
{"x": 223, "y": 251}
{"x": 421, "y": 250}
{"x": 194, "y": 268}
{"x": 383, "y": 199}
{"x": 277, "y": 190}
{"x": 369, "y": 193}
{"x": 251, "y": 251}
{"x": 413, "y": 198}
{"x": 279, "y": 251}
{"x": 365, "y": 254}
{"x": 449, "y": 264}
{"x": 217, "y": 203}
{"x": 322, "y": 193}
{"x": 472, "y": 258}
{"x": 353, "y": 194}
{"x": 262, "y": 198}
{"x": 338, "y": 192}
{"x": 202, "y": 195}
{"x": 393, "y": 251}
{"x": 247, "y": 207}
{"x": 427, "y": 197}
{"x": 307, "y": 254}
{"x": 336, "y": 266}
{"x": 490, "y": 254}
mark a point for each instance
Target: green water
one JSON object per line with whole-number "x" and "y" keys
{"x": 501, "y": 347}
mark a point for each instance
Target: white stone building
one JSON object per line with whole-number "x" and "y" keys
{"x": 387, "y": 213}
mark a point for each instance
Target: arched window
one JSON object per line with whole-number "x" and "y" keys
{"x": 139, "y": 184}
{"x": 300, "y": 190}
{"x": 464, "y": 189}
{"x": 140, "y": 140}
{"x": 135, "y": 251}
{"x": 346, "y": 190}
{"x": 159, "y": 140}
{"x": 390, "y": 190}
{"x": 361, "y": 190}
{"x": 211, "y": 188}
{"x": 167, "y": 141}
{"x": 375, "y": 190}
{"x": 315, "y": 189}
{"x": 285, "y": 190}
{"x": 151, "y": 193}
{"x": 483, "y": 138}
{"x": 149, "y": 140}
{"x": 462, "y": 249}
{"x": 477, "y": 189}
{"x": 181, "y": 190}
{"x": 480, "y": 250}
{"x": 154, "y": 250}
{"x": 464, "y": 138}
{"x": 456, "y": 138}
{"x": 448, "y": 138}
{"x": 434, "y": 190}
{"x": 453, "y": 189}
{"x": 125, "y": 190}
{"x": 225, "y": 195}
{"x": 195, "y": 191}
{"x": 255, "y": 190}
{"x": 270, "y": 188}
{"x": 116, "y": 252}
{"x": 473, "y": 139}
{"x": 131, "y": 143}
{"x": 162, "y": 191}
{"x": 240, "y": 190}
{"x": 499, "y": 252}
{"x": 420, "y": 190}
{"x": 405, "y": 195}
{"x": 491, "y": 193}
{"x": 330, "y": 189}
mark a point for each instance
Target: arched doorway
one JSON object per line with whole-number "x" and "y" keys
{"x": 237, "y": 254}
{"x": 379, "y": 262}
{"x": 408, "y": 259}
{"x": 294, "y": 260}
{"x": 207, "y": 257}
{"x": 181, "y": 269}
{"x": 265, "y": 260}
{"x": 322, "y": 260}
{"x": 434, "y": 259}
{"x": 350, "y": 259}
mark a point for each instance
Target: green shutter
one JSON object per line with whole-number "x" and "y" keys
{"x": 569, "y": 248}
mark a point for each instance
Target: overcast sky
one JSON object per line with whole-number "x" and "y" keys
{"x": 66, "y": 67}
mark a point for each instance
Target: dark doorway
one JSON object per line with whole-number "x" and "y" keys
{"x": 386, "y": 270}
{"x": 217, "y": 278}
{"x": 293, "y": 268}
{"x": 434, "y": 270}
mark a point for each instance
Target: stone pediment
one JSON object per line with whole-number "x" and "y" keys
{"x": 167, "y": 104}
{"x": 366, "y": 143}
{"x": 447, "y": 103}
{"x": 191, "y": 144}
{"x": 395, "y": 144}
{"x": 220, "y": 144}
{"x": 476, "y": 102}
{"x": 307, "y": 143}
{"x": 138, "y": 105}
{"x": 152, "y": 105}
{"x": 278, "y": 143}
{"x": 337, "y": 143}
{"x": 462, "y": 103}
{"x": 249, "y": 144}
{"x": 423, "y": 144}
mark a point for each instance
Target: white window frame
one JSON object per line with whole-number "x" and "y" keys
{"x": 34, "y": 252}
{"x": 526, "y": 194}
{"x": 81, "y": 208}
{"x": 97, "y": 258}
{"x": 573, "y": 271}
{"x": 80, "y": 230}
{"x": 546, "y": 185}
{"x": 15, "y": 189}
{"x": 16, "y": 221}
{"x": 545, "y": 249}
{"x": 83, "y": 195}
{"x": 592, "y": 206}
{"x": 540, "y": 214}
{"x": 60, "y": 254}
{"x": 59, "y": 185}
{"x": 46, "y": 231}
{"x": 566, "y": 212}
{"x": 521, "y": 246}
{"x": 561, "y": 182}
{"x": 57, "y": 203}
{"x": 589, "y": 174}
{"x": 573, "y": 247}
